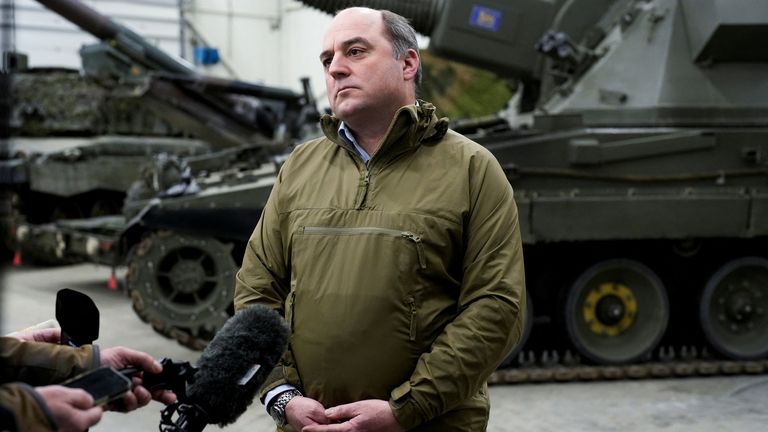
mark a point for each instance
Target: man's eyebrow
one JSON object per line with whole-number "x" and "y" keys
{"x": 346, "y": 43}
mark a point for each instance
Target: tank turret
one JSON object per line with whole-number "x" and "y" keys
{"x": 602, "y": 54}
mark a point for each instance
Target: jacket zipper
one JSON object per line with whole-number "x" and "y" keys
{"x": 412, "y": 304}
{"x": 373, "y": 230}
{"x": 290, "y": 304}
{"x": 366, "y": 184}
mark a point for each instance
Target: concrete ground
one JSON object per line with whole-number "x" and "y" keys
{"x": 732, "y": 403}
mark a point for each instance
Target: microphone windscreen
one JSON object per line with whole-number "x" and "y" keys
{"x": 78, "y": 317}
{"x": 236, "y": 362}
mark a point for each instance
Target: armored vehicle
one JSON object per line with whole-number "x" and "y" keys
{"x": 639, "y": 173}
{"x": 131, "y": 102}
{"x": 77, "y": 146}
{"x": 638, "y": 158}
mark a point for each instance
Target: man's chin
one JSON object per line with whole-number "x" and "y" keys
{"x": 346, "y": 109}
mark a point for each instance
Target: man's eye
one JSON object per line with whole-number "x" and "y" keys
{"x": 355, "y": 51}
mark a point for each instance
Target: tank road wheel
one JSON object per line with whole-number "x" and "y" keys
{"x": 527, "y": 326}
{"x": 182, "y": 285}
{"x": 733, "y": 309}
{"x": 616, "y": 311}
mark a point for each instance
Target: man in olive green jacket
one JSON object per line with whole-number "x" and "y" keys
{"x": 392, "y": 247}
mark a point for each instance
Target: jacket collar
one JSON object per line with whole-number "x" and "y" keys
{"x": 411, "y": 126}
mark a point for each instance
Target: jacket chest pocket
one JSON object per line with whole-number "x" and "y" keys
{"x": 371, "y": 276}
{"x": 362, "y": 232}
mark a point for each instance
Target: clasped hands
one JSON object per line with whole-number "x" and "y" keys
{"x": 372, "y": 415}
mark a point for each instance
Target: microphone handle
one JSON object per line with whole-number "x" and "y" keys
{"x": 191, "y": 418}
{"x": 174, "y": 377}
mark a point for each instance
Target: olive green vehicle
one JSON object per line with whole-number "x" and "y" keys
{"x": 638, "y": 154}
{"x": 638, "y": 161}
{"x": 84, "y": 142}
{"x": 77, "y": 146}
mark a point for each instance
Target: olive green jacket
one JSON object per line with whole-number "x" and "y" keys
{"x": 401, "y": 281}
{"x": 27, "y": 364}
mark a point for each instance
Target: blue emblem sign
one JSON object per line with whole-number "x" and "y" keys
{"x": 485, "y": 18}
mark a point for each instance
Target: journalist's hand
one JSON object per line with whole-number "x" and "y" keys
{"x": 50, "y": 335}
{"x": 72, "y": 409}
{"x": 373, "y": 415}
{"x": 303, "y": 411}
{"x": 121, "y": 357}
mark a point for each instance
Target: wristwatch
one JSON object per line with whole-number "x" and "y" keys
{"x": 277, "y": 410}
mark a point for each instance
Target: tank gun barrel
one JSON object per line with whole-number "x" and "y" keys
{"x": 226, "y": 86}
{"x": 122, "y": 38}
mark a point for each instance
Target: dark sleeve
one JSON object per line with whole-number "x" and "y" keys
{"x": 7, "y": 419}
{"x": 21, "y": 408}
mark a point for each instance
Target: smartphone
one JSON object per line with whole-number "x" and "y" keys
{"x": 105, "y": 384}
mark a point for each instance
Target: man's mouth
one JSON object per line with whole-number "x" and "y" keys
{"x": 343, "y": 90}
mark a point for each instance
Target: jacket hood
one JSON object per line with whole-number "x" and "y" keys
{"x": 411, "y": 126}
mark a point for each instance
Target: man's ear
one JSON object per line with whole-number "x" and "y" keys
{"x": 411, "y": 62}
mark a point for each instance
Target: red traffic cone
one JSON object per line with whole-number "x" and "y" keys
{"x": 112, "y": 282}
{"x": 17, "y": 258}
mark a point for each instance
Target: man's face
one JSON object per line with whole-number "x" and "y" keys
{"x": 362, "y": 76}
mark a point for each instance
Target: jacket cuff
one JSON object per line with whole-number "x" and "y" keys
{"x": 96, "y": 360}
{"x": 43, "y": 406}
{"x": 280, "y": 375}
{"x": 405, "y": 409}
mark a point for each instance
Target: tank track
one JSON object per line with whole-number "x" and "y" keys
{"x": 550, "y": 369}
{"x": 183, "y": 337}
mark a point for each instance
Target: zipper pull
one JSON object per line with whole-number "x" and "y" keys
{"x": 419, "y": 247}
{"x": 411, "y": 236}
{"x": 366, "y": 183}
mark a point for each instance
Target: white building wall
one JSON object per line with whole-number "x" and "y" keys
{"x": 272, "y": 42}
{"x": 301, "y": 45}
{"x": 51, "y": 41}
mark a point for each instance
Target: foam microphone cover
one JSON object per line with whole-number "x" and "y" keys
{"x": 78, "y": 317}
{"x": 225, "y": 384}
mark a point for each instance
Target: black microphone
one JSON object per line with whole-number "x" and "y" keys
{"x": 230, "y": 371}
{"x": 78, "y": 317}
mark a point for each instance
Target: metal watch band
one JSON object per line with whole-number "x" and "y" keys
{"x": 277, "y": 410}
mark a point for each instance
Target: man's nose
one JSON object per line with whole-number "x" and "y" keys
{"x": 338, "y": 67}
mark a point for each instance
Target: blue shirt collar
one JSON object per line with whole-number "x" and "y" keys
{"x": 346, "y": 135}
